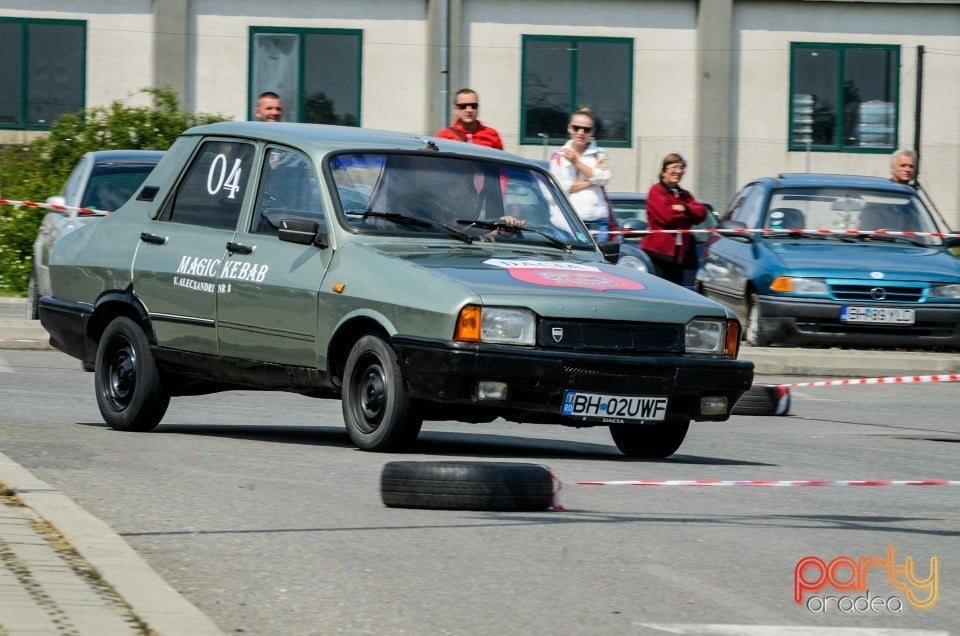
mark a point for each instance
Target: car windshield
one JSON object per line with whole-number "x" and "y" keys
{"x": 110, "y": 185}
{"x": 465, "y": 198}
{"x": 842, "y": 209}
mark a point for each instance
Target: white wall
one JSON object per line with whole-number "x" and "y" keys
{"x": 119, "y": 50}
{"x": 394, "y": 53}
{"x": 764, "y": 31}
{"x": 664, "y": 36}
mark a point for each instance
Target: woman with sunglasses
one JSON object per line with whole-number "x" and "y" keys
{"x": 670, "y": 207}
{"x": 581, "y": 168}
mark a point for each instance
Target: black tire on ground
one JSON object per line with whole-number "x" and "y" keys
{"x": 754, "y": 333}
{"x": 33, "y": 297}
{"x": 764, "y": 399}
{"x": 466, "y": 485}
{"x": 376, "y": 410}
{"x": 650, "y": 441}
{"x": 129, "y": 392}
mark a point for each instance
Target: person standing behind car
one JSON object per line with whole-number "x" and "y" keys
{"x": 581, "y": 168}
{"x": 903, "y": 167}
{"x": 269, "y": 107}
{"x": 670, "y": 207}
{"x": 466, "y": 127}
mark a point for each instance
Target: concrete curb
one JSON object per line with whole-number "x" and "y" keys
{"x": 151, "y": 598}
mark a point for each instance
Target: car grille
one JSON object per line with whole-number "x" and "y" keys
{"x": 610, "y": 336}
{"x": 866, "y": 293}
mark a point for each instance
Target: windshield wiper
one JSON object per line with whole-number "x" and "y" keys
{"x": 414, "y": 221}
{"x": 501, "y": 225}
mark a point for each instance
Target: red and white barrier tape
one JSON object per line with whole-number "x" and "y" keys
{"x": 30, "y": 340}
{"x": 54, "y": 206}
{"x": 791, "y": 231}
{"x": 901, "y": 379}
{"x": 767, "y": 482}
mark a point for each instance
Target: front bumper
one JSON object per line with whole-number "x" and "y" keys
{"x": 445, "y": 375}
{"x": 803, "y": 321}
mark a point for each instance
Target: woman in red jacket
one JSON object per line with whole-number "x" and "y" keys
{"x": 670, "y": 207}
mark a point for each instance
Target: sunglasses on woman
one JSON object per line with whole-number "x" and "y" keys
{"x": 586, "y": 129}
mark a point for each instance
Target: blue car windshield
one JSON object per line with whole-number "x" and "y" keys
{"x": 426, "y": 194}
{"x": 842, "y": 209}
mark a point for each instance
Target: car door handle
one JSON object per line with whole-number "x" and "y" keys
{"x": 239, "y": 248}
{"x": 152, "y": 238}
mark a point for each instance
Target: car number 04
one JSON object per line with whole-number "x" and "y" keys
{"x": 224, "y": 181}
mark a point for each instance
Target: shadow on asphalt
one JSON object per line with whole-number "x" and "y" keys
{"x": 436, "y": 443}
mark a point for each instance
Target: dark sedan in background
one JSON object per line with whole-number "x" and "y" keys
{"x": 102, "y": 180}
{"x": 835, "y": 260}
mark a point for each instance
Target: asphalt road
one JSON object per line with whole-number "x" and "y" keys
{"x": 257, "y": 509}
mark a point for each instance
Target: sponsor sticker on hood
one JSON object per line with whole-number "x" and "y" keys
{"x": 559, "y": 274}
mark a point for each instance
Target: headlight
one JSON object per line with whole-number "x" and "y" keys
{"x": 633, "y": 263}
{"x": 506, "y": 325}
{"x": 799, "y": 285}
{"x": 712, "y": 335}
{"x": 944, "y": 291}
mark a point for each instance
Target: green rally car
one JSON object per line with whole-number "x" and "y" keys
{"x": 412, "y": 278}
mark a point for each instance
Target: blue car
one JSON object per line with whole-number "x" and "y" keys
{"x": 835, "y": 260}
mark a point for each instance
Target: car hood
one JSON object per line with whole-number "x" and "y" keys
{"x": 551, "y": 284}
{"x": 822, "y": 259}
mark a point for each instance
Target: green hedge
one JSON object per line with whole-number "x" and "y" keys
{"x": 34, "y": 171}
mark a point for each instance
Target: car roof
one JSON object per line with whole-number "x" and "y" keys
{"x": 322, "y": 138}
{"x": 801, "y": 179}
{"x": 125, "y": 156}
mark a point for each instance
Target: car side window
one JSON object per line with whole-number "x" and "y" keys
{"x": 211, "y": 192}
{"x": 747, "y": 206}
{"x": 288, "y": 190}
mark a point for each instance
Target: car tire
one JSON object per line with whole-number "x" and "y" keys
{"x": 33, "y": 297}
{"x": 650, "y": 441}
{"x": 754, "y": 333}
{"x": 454, "y": 485}
{"x": 764, "y": 399}
{"x": 129, "y": 392}
{"x": 376, "y": 410}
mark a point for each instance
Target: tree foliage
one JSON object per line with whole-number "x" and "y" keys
{"x": 37, "y": 170}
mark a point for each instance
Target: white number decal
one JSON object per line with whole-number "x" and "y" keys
{"x": 225, "y": 181}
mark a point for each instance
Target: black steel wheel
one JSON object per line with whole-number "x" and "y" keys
{"x": 650, "y": 441}
{"x": 376, "y": 410}
{"x": 129, "y": 392}
{"x": 467, "y": 485}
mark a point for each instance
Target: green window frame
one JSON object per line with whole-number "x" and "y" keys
{"x": 560, "y": 74}
{"x": 43, "y": 71}
{"x": 317, "y": 72}
{"x": 844, "y": 97}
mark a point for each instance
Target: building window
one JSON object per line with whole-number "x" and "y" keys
{"x": 843, "y": 97}
{"x": 43, "y": 71}
{"x": 562, "y": 74}
{"x": 315, "y": 71}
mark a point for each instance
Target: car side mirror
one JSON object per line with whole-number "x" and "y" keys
{"x": 746, "y": 237}
{"x": 302, "y": 232}
{"x": 58, "y": 200}
{"x": 610, "y": 250}
{"x": 951, "y": 241}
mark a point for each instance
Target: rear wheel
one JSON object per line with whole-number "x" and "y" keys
{"x": 376, "y": 410}
{"x": 129, "y": 392}
{"x": 650, "y": 441}
{"x": 755, "y": 335}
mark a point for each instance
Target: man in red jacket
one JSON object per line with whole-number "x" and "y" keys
{"x": 466, "y": 127}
